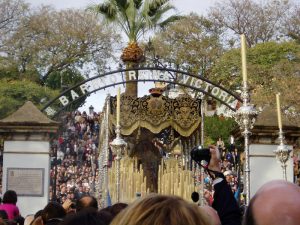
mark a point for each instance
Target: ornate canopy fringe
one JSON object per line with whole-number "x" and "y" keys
{"x": 158, "y": 113}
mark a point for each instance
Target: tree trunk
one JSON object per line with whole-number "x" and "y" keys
{"x": 131, "y": 88}
{"x": 132, "y": 55}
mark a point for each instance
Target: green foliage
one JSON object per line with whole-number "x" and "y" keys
{"x": 272, "y": 67}
{"x": 66, "y": 78}
{"x": 191, "y": 44}
{"x": 135, "y": 17}
{"x": 14, "y": 94}
{"x": 215, "y": 127}
{"x": 261, "y": 61}
{"x": 49, "y": 41}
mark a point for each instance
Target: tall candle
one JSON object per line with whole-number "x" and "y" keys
{"x": 118, "y": 106}
{"x": 278, "y": 111}
{"x": 244, "y": 59}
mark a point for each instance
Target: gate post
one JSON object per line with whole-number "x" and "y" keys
{"x": 26, "y": 159}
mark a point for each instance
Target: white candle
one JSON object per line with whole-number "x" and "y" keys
{"x": 244, "y": 59}
{"x": 278, "y": 111}
{"x": 118, "y": 106}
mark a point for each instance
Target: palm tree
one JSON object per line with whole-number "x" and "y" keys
{"x": 135, "y": 17}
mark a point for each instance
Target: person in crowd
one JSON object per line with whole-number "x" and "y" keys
{"x": 88, "y": 216}
{"x": 236, "y": 158}
{"x": 9, "y": 204}
{"x": 208, "y": 197}
{"x": 212, "y": 214}
{"x": 224, "y": 202}
{"x": 115, "y": 209}
{"x": 53, "y": 213}
{"x": 275, "y": 203}
{"x": 28, "y": 219}
{"x": 220, "y": 144}
{"x": 69, "y": 206}
{"x": 195, "y": 197}
{"x": 3, "y": 215}
{"x": 86, "y": 202}
{"x": 162, "y": 210}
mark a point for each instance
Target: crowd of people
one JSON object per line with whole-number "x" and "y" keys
{"x": 74, "y": 171}
{"x": 266, "y": 207}
{"x": 74, "y": 175}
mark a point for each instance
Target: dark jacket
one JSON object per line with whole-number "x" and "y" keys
{"x": 225, "y": 204}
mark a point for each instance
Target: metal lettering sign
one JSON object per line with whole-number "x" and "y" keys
{"x": 161, "y": 75}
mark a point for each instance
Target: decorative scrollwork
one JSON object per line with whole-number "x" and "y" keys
{"x": 157, "y": 113}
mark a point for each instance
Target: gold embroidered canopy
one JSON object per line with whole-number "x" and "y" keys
{"x": 158, "y": 113}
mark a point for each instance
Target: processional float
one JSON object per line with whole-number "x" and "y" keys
{"x": 140, "y": 164}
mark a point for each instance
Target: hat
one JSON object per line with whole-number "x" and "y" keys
{"x": 227, "y": 173}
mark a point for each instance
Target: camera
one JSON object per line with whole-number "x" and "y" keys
{"x": 201, "y": 155}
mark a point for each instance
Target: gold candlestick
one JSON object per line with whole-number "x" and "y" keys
{"x": 118, "y": 105}
{"x": 278, "y": 111}
{"x": 244, "y": 59}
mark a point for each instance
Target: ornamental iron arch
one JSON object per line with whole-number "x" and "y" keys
{"x": 141, "y": 74}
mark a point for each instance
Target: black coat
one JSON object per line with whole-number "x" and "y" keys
{"x": 225, "y": 204}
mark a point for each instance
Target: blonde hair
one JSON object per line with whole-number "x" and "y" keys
{"x": 162, "y": 210}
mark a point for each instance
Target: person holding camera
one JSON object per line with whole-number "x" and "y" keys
{"x": 223, "y": 200}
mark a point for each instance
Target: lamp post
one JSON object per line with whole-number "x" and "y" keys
{"x": 245, "y": 117}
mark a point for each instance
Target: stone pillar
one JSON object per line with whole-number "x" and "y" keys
{"x": 263, "y": 141}
{"x": 26, "y": 159}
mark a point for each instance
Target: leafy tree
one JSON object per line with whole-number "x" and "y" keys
{"x": 191, "y": 44}
{"x": 292, "y": 24}
{"x": 14, "y": 93}
{"x": 260, "y": 22}
{"x": 215, "y": 127}
{"x": 11, "y": 13}
{"x": 272, "y": 68}
{"x": 64, "y": 79}
{"x": 51, "y": 41}
{"x": 135, "y": 18}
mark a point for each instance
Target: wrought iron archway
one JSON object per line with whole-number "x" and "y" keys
{"x": 145, "y": 74}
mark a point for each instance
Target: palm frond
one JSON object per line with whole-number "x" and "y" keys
{"x": 121, "y": 4}
{"x": 131, "y": 13}
{"x": 106, "y": 9}
{"x": 135, "y": 17}
{"x": 169, "y": 20}
{"x": 156, "y": 5}
{"x": 138, "y": 3}
{"x": 154, "y": 20}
